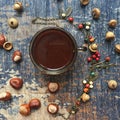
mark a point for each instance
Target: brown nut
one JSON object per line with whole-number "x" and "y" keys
{"x": 24, "y": 109}
{"x": 53, "y": 87}
{"x": 85, "y": 97}
{"x": 7, "y": 46}
{"x": 2, "y": 40}
{"x": 17, "y": 56}
{"x": 93, "y": 47}
{"x": 110, "y": 36}
{"x": 84, "y": 2}
{"x": 18, "y": 6}
{"x": 117, "y": 48}
{"x": 112, "y": 23}
{"x": 13, "y": 22}
{"x": 16, "y": 83}
{"x": 52, "y": 108}
{"x": 35, "y": 103}
{"x": 4, "y": 96}
{"x": 96, "y": 13}
{"x": 112, "y": 84}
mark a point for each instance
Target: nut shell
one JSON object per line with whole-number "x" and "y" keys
{"x": 112, "y": 84}
{"x": 84, "y": 2}
{"x": 8, "y": 46}
{"x": 17, "y": 56}
{"x": 4, "y": 96}
{"x": 35, "y": 103}
{"x": 24, "y": 109}
{"x": 52, "y": 108}
{"x": 110, "y": 36}
{"x": 112, "y": 23}
{"x": 96, "y": 13}
{"x": 13, "y": 22}
{"x": 16, "y": 83}
{"x": 117, "y": 48}
{"x": 53, "y": 87}
{"x": 18, "y": 6}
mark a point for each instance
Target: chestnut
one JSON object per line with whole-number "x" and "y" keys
{"x": 53, "y": 87}
{"x": 34, "y": 103}
{"x": 16, "y": 83}
{"x": 52, "y": 108}
{"x": 24, "y": 109}
{"x": 17, "y": 56}
{"x": 4, "y": 96}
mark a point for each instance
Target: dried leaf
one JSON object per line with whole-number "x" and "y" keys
{"x": 68, "y": 11}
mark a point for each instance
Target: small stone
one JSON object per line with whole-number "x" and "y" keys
{"x": 112, "y": 84}
{"x": 13, "y": 22}
{"x": 110, "y": 36}
{"x": 117, "y": 48}
{"x": 96, "y": 13}
{"x": 112, "y": 23}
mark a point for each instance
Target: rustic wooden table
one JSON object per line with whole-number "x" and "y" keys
{"x": 104, "y": 103}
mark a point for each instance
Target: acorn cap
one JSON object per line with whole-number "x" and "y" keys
{"x": 93, "y": 47}
{"x": 117, "y": 48}
{"x": 8, "y": 46}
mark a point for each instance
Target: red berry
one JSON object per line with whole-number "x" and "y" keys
{"x": 97, "y": 59}
{"x": 87, "y": 85}
{"x": 89, "y": 59}
{"x": 107, "y": 59}
{"x": 90, "y": 37}
{"x": 70, "y": 19}
{"x": 93, "y": 56}
{"x": 80, "y": 26}
{"x": 96, "y": 53}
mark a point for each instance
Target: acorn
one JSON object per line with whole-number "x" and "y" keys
{"x": 93, "y": 47}
{"x": 17, "y": 56}
{"x": 117, "y": 48}
{"x": 110, "y": 36}
{"x": 96, "y": 13}
{"x": 112, "y": 23}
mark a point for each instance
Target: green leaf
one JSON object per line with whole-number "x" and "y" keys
{"x": 68, "y": 11}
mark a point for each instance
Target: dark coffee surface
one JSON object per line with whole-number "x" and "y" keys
{"x": 53, "y": 49}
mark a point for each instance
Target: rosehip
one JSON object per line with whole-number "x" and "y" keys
{"x": 89, "y": 59}
{"x": 93, "y": 56}
{"x": 97, "y": 59}
{"x": 87, "y": 85}
{"x": 80, "y": 26}
{"x": 107, "y": 59}
{"x": 70, "y": 19}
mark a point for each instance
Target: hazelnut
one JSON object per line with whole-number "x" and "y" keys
{"x": 84, "y": 2}
{"x": 117, "y": 48}
{"x": 18, "y": 6}
{"x": 52, "y": 108}
{"x": 24, "y": 109}
{"x": 112, "y": 23}
{"x": 13, "y": 22}
{"x": 17, "y": 56}
{"x": 85, "y": 97}
{"x": 16, "y": 83}
{"x": 53, "y": 87}
{"x": 7, "y": 46}
{"x": 112, "y": 84}
{"x": 93, "y": 47}
{"x": 4, "y": 96}
{"x": 34, "y": 103}
{"x": 110, "y": 36}
{"x": 2, "y": 40}
{"x": 96, "y": 13}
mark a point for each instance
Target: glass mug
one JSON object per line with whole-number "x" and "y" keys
{"x": 53, "y": 50}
